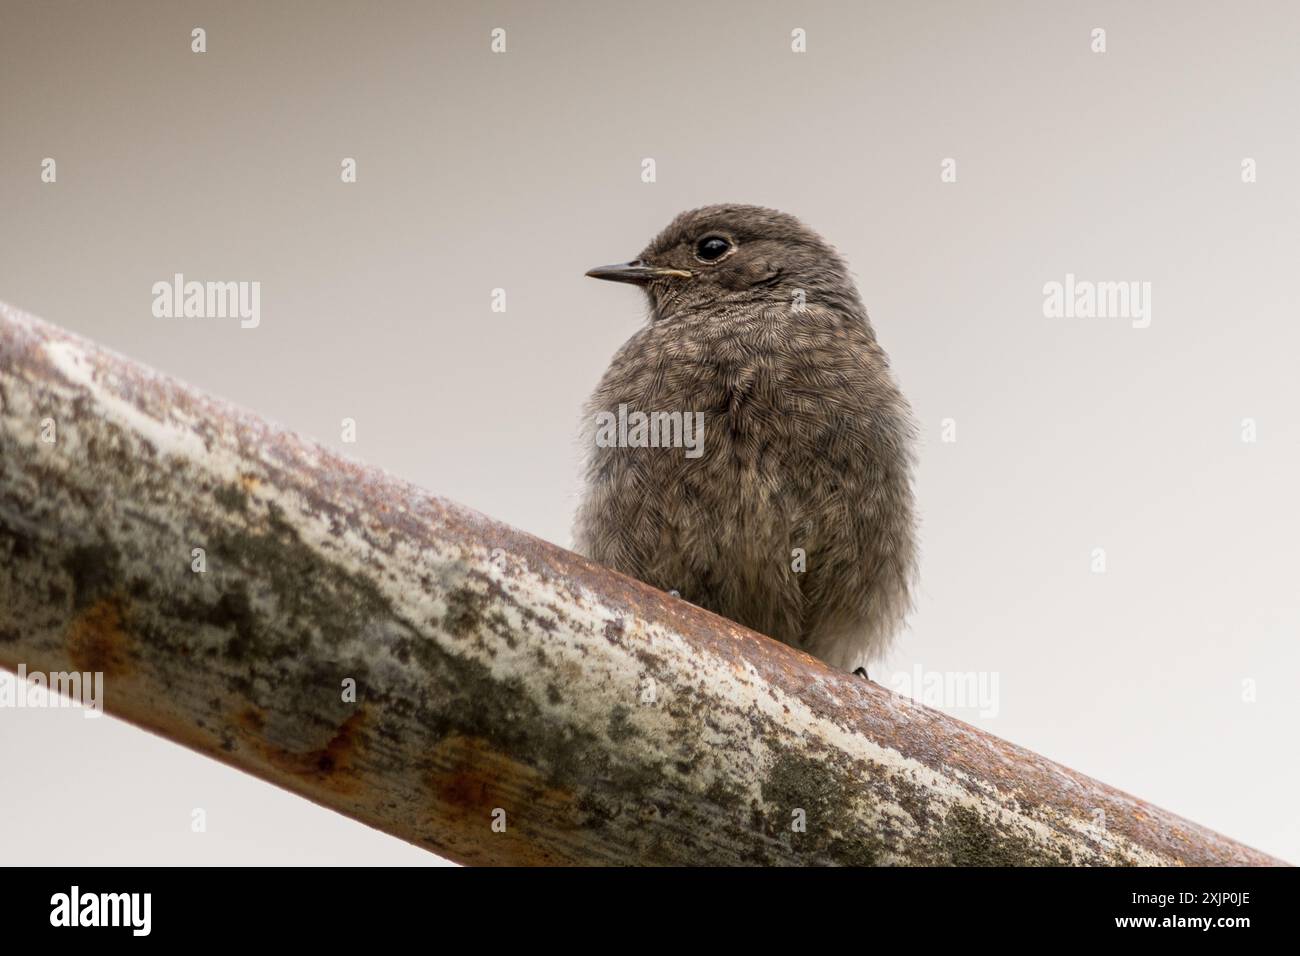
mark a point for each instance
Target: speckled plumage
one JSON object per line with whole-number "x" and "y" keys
{"x": 807, "y": 442}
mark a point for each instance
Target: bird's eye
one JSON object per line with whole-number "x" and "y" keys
{"x": 712, "y": 248}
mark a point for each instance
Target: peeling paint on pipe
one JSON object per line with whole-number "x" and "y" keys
{"x": 499, "y": 679}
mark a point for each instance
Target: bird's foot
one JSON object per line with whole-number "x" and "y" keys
{"x": 862, "y": 672}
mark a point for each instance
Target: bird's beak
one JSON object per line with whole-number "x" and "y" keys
{"x": 636, "y": 272}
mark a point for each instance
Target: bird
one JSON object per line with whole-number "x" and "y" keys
{"x": 795, "y": 515}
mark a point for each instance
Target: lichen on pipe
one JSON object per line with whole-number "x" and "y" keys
{"x": 463, "y": 685}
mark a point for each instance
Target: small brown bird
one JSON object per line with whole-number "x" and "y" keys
{"x": 748, "y": 448}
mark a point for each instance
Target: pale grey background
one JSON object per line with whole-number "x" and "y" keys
{"x": 522, "y": 170}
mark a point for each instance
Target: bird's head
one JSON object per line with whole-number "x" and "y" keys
{"x": 734, "y": 255}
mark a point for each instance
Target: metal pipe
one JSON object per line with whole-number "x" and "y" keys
{"x": 514, "y": 703}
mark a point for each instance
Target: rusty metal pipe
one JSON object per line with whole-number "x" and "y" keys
{"x": 514, "y": 703}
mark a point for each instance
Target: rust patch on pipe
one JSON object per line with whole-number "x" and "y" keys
{"x": 96, "y": 640}
{"x": 474, "y": 786}
{"x": 333, "y": 767}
